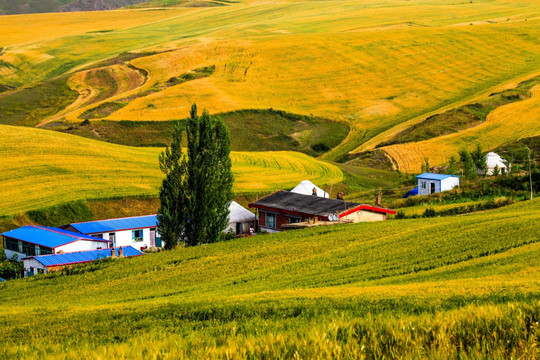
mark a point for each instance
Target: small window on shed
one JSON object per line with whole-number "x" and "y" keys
{"x": 423, "y": 184}
{"x": 271, "y": 221}
{"x": 137, "y": 235}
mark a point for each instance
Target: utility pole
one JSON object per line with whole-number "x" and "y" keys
{"x": 530, "y": 173}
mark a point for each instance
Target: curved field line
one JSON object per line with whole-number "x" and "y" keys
{"x": 505, "y": 124}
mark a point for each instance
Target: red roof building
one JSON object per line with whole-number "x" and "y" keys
{"x": 286, "y": 210}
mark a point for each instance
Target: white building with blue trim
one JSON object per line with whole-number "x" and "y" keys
{"x": 430, "y": 183}
{"x": 137, "y": 231}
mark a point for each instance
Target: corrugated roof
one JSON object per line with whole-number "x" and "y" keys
{"x": 47, "y": 236}
{"x": 102, "y": 226}
{"x": 82, "y": 256}
{"x": 432, "y": 176}
{"x": 304, "y": 204}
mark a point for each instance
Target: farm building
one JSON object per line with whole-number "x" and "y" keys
{"x": 34, "y": 240}
{"x": 429, "y": 183}
{"x": 240, "y": 219}
{"x": 306, "y": 188}
{"x": 282, "y": 209}
{"x": 138, "y": 231}
{"x": 494, "y": 160}
{"x": 43, "y": 264}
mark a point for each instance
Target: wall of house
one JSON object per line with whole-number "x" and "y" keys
{"x": 125, "y": 238}
{"x": 31, "y": 267}
{"x": 449, "y": 183}
{"x": 245, "y": 227}
{"x": 10, "y": 254}
{"x": 80, "y": 245}
{"x": 427, "y": 189}
{"x": 365, "y": 216}
{"x": 281, "y": 219}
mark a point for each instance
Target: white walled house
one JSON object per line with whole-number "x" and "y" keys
{"x": 138, "y": 231}
{"x": 35, "y": 240}
{"x": 429, "y": 183}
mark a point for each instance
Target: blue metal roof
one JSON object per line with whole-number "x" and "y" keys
{"x": 102, "y": 226}
{"x": 47, "y": 236}
{"x": 82, "y": 256}
{"x": 431, "y": 176}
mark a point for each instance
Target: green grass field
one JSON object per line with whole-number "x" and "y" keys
{"x": 43, "y": 168}
{"x": 462, "y": 287}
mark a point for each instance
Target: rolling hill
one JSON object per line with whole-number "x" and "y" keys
{"x": 371, "y": 66}
{"x": 453, "y": 287}
{"x": 11, "y": 7}
{"x": 43, "y": 168}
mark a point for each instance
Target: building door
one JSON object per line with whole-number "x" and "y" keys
{"x": 153, "y": 237}
{"x": 432, "y": 188}
{"x": 112, "y": 239}
{"x": 239, "y": 228}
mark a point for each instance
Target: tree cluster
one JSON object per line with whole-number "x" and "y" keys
{"x": 197, "y": 190}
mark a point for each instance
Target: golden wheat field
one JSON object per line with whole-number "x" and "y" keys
{"x": 505, "y": 124}
{"x": 43, "y": 168}
{"x": 371, "y": 64}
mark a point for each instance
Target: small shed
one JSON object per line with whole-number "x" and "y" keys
{"x": 43, "y": 264}
{"x": 494, "y": 160}
{"x": 306, "y": 188}
{"x": 241, "y": 220}
{"x": 430, "y": 183}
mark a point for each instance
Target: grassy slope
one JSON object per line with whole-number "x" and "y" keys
{"x": 43, "y": 168}
{"x": 505, "y": 124}
{"x": 388, "y": 62}
{"x": 314, "y": 291}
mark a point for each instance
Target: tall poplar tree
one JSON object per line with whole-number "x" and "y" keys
{"x": 209, "y": 179}
{"x": 197, "y": 190}
{"x": 172, "y": 194}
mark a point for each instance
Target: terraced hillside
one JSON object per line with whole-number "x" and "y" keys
{"x": 42, "y": 168}
{"x": 372, "y": 65}
{"x": 457, "y": 287}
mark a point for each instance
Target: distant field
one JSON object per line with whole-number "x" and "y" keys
{"x": 373, "y": 65}
{"x": 506, "y": 124}
{"x": 42, "y": 168}
{"x": 455, "y": 287}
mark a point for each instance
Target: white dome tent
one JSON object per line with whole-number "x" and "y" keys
{"x": 306, "y": 188}
{"x": 492, "y": 160}
{"x": 240, "y": 219}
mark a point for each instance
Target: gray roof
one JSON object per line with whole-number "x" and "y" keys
{"x": 303, "y": 204}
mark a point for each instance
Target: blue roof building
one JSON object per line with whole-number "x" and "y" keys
{"x": 137, "y": 231}
{"x": 39, "y": 240}
{"x": 430, "y": 183}
{"x": 42, "y": 264}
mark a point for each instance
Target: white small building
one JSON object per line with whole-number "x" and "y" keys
{"x": 429, "y": 183}
{"x": 35, "y": 240}
{"x": 240, "y": 219}
{"x": 138, "y": 231}
{"x": 306, "y": 188}
{"x": 494, "y": 160}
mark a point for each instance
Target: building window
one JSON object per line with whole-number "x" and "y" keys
{"x": 45, "y": 250}
{"x": 28, "y": 249}
{"x": 423, "y": 184}
{"x": 99, "y": 236}
{"x": 11, "y": 244}
{"x": 294, "y": 220}
{"x": 271, "y": 221}
{"x": 137, "y": 235}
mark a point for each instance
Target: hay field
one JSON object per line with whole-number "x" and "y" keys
{"x": 505, "y": 124}
{"x": 366, "y": 291}
{"x": 43, "y": 168}
{"x": 371, "y": 64}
